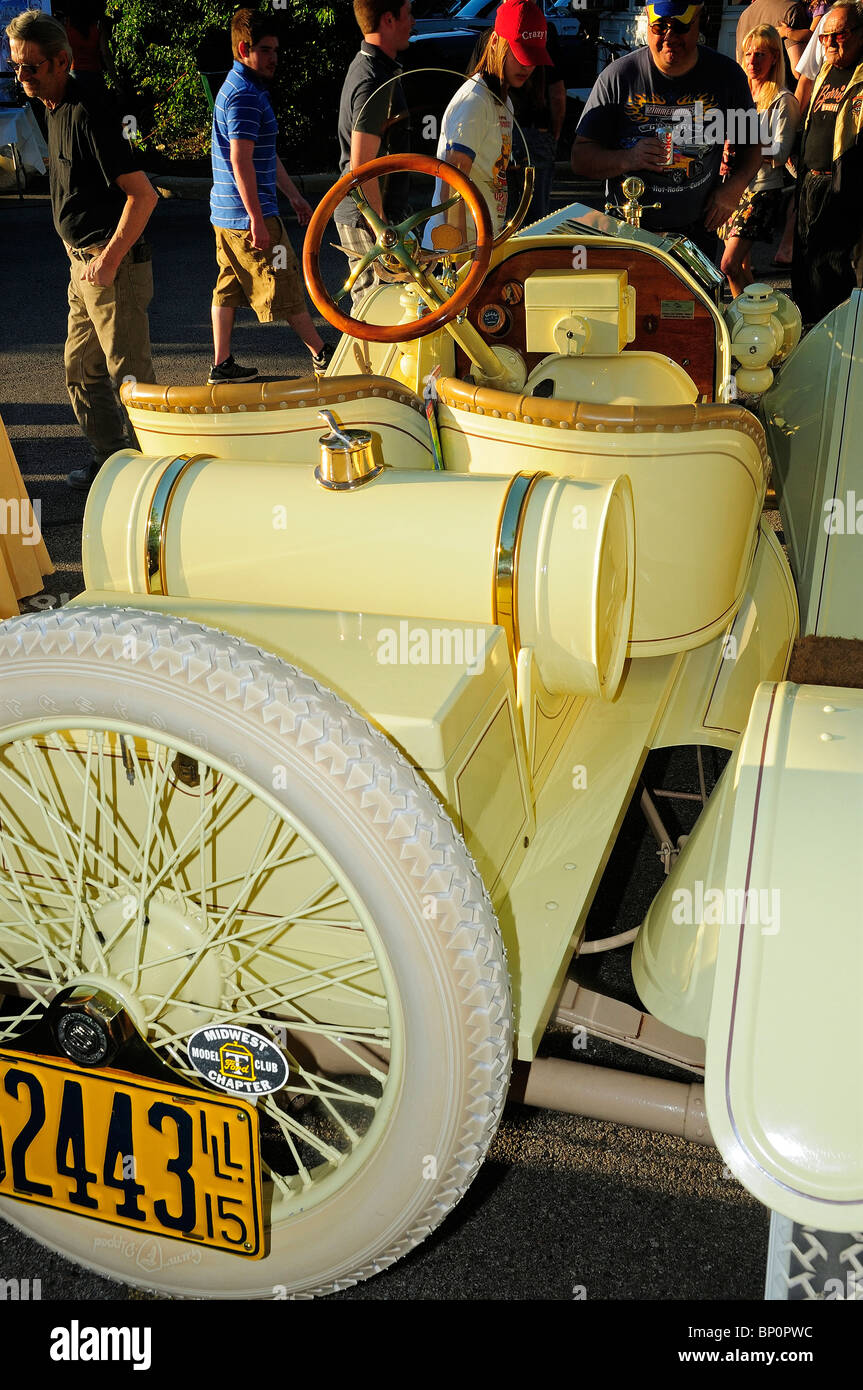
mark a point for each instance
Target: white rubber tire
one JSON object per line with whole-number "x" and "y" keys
{"x": 809, "y": 1265}
{"x": 397, "y": 848}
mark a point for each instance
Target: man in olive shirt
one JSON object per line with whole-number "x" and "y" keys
{"x": 101, "y": 201}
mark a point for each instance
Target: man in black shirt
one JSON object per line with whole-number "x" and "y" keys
{"x": 374, "y": 121}
{"x": 101, "y": 201}
{"x": 828, "y": 241}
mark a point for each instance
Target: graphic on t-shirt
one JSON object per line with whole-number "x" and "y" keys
{"x": 502, "y": 162}
{"x": 828, "y": 100}
{"x": 694, "y": 123}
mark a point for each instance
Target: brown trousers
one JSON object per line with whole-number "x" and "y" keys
{"x": 107, "y": 340}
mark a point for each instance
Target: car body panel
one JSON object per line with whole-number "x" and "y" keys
{"x": 814, "y": 420}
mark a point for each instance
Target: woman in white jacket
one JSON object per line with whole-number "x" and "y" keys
{"x": 760, "y": 209}
{"x": 476, "y": 131}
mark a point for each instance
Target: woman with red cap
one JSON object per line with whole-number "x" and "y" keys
{"x": 476, "y": 132}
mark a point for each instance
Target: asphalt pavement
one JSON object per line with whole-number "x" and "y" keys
{"x": 564, "y": 1208}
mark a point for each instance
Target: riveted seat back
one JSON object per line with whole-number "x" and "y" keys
{"x": 698, "y": 474}
{"x": 279, "y": 420}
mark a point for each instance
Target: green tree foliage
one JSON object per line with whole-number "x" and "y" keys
{"x": 159, "y": 51}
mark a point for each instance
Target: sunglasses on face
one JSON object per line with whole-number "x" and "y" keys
{"x": 661, "y": 27}
{"x": 838, "y": 34}
{"x": 26, "y": 69}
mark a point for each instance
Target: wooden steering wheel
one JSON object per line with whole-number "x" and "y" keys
{"x": 391, "y": 241}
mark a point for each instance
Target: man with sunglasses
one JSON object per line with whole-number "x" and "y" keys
{"x": 828, "y": 241}
{"x": 672, "y": 85}
{"x": 102, "y": 202}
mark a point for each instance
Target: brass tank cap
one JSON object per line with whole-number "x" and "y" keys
{"x": 347, "y": 457}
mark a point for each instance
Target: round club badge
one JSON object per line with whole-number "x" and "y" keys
{"x": 237, "y": 1060}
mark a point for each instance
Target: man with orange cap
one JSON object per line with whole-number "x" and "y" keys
{"x": 665, "y": 112}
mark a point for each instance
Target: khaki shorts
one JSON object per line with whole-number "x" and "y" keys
{"x": 268, "y": 281}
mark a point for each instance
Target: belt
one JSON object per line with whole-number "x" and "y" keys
{"x": 142, "y": 251}
{"x": 821, "y": 173}
{"x": 86, "y": 253}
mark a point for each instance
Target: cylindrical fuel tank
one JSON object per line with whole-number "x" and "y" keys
{"x": 550, "y": 559}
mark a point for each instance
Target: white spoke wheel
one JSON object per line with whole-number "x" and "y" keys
{"x": 807, "y": 1265}
{"x": 219, "y": 838}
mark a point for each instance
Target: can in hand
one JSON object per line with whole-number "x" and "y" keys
{"x": 665, "y": 133}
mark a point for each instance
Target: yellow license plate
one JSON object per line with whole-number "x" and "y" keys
{"x": 168, "y": 1160}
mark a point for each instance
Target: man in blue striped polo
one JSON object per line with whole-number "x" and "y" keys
{"x": 257, "y": 265}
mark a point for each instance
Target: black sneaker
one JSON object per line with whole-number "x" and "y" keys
{"x": 230, "y": 371}
{"x": 322, "y": 360}
{"x": 81, "y": 478}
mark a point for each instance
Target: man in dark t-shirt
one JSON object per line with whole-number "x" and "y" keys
{"x": 828, "y": 240}
{"x": 695, "y": 95}
{"x": 101, "y": 201}
{"x": 374, "y": 121}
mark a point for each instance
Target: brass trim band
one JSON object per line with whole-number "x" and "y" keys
{"x": 505, "y": 596}
{"x": 157, "y": 521}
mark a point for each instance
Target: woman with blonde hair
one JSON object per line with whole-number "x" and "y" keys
{"x": 760, "y": 209}
{"x": 476, "y": 131}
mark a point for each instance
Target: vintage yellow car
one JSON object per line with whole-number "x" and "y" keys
{"x": 303, "y": 803}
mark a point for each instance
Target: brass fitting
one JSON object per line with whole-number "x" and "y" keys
{"x": 347, "y": 457}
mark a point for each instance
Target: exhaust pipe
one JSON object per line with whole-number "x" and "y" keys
{"x": 604, "y": 1093}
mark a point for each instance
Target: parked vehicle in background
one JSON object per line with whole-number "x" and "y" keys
{"x": 447, "y": 42}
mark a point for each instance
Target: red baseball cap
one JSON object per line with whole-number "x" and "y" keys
{"x": 523, "y": 26}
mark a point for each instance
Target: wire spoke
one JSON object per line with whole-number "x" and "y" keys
{"x": 55, "y": 861}
{"x": 71, "y": 763}
{"x": 227, "y": 915}
{"x": 83, "y": 826}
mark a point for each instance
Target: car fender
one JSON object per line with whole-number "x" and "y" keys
{"x": 754, "y": 943}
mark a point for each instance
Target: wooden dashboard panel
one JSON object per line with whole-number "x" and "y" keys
{"x": 661, "y": 301}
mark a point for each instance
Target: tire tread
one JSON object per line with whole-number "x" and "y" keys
{"x": 330, "y": 732}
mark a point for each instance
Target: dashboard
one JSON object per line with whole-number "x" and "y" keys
{"x": 669, "y": 318}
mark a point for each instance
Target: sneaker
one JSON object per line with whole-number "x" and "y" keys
{"x": 81, "y": 478}
{"x": 230, "y": 371}
{"x": 322, "y": 360}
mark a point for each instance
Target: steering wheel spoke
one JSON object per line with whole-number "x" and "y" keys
{"x": 362, "y": 264}
{"x": 374, "y": 221}
{"x": 390, "y": 243}
{"x": 416, "y": 218}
